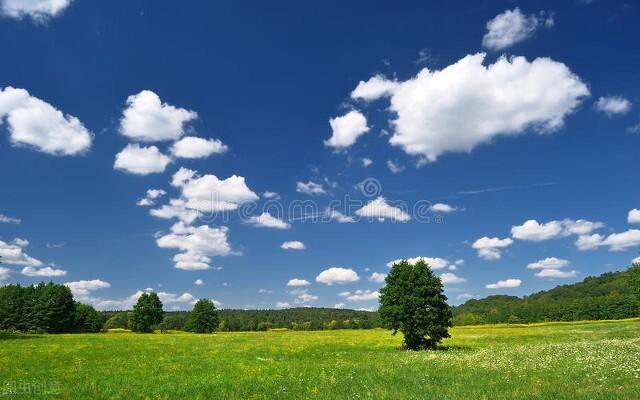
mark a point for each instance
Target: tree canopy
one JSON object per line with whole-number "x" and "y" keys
{"x": 147, "y": 313}
{"x": 203, "y": 318}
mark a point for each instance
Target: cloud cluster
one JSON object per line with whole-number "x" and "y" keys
{"x": 532, "y": 230}
{"x": 490, "y": 249}
{"x": 551, "y": 267}
{"x": 197, "y": 243}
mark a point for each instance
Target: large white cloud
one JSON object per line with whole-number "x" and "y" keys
{"x": 467, "y": 104}
{"x": 613, "y": 105}
{"x": 197, "y": 244}
{"x": 195, "y": 147}
{"x": 337, "y": 275}
{"x": 43, "y": 272}
{"x": 512, "y": 27}
{"x": 347, "y": 129}
{"x": 13, "y": 254}
{"x": 634, "y": 216}
{"x": 82, "y": 289}
{"x": 490, "y": 248}
{"x": 381, "y": 210}
{"x": 532, "y": 230}
{"x": 148, "y": 119}
{"x": 38, "y": 125}
{"x": 38, "y": 10}
{"x": 140, "y": 160}
{"x": 507, "y": 283}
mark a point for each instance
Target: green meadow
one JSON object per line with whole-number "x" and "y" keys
{"x": 578, "y": 360}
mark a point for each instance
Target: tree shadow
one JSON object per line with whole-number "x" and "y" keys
{"x": 18, "y": 336}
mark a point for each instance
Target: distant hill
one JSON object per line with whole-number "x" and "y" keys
{"x": 612, "y": 295}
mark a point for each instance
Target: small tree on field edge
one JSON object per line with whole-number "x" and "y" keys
{"x": 203, "y": 318}
{"x": 413, "y": 303}
{"x": 147, "y": 312}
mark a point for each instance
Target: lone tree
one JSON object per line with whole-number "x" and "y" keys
{"x": 203, "y": 318}
{"x": 147, "y": 312}
{"x": 413, "y": 303}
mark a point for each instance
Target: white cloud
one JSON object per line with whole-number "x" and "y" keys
{"x": 38, "y": 125}
{"x": 293, "y": 245}
{"x": 4, "y": 273}
{"x": 38, "y": 10}
{"x": 443, "y": 208}
{"x": 82, "y": 289}
{"x": 310, "y": 188}
{"x": 507, "y": 283}
{"x": 197, "y": 245}
{"x": 467, "y": 104}
{"x": 381, "y": 210}
{"x": 346, "y": 129}
{"x": 613, "y": 105}
{"x": 270, "y": 195}
{"x": 635, "y": 260}
{"x": 512, "y": 27}
{"x": 177, "y": 208}
{"x": 589, "y": 242}
{"x": 433, "y": 262}
{"x": 489, "y": 248}
{"x": 282, "y": 304}
{"x": 198, "y": 282}
{"x": 43, "y": 271}
{"x": 195, "y": 147}
{"x": 377, "y": 277}
{"x": 266, "y": 220}
{"x": 336, "y": 215}
{"x": 366, "y": 161}
{"x": 555, "y": 273}
{"x": 534, "y": 231}
{"x": 549, "y": 263}
{"x": 394, "y": 167}
{"x": 298, "y": 282}
{"x": 579, "y": 227}
{"x": 339, "y": 305}
{"x": 13, "y": 254}
{"x": 634, "y": 216}
{"x": 141, "y": 160}
{"x": 4, "y": 219}
{"x": 151, "y": 196}
{"x": 377, "y": 86}
{"x": 361, "y": 295}
{"x": 337, "y": 275}
{"x": 615, "y": 241}
{"x": 449, "y": 278}
{"x": 465, "y": 296}
{"x": 147, "y": 119}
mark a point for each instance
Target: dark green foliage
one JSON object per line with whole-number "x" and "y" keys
{"x": 116, "y": 320}
{"x": 147, "y": 313}
{"x": 413, "y": 303}
{"x": 613, "y": 295}
{"x": 203, "y": 317}
{"x": 13, "y": 308}
{"x": 87, "y": 319}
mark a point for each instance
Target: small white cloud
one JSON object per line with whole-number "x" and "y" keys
{"x": 512, "y": 27}
{"x": 549, "y": 263}
{"x": 381, "y": 210}
{"x": 465, "y": 296}
{"x": 339, "y": 305}
{"x": 293, "y": 245}
{"x": 38, "y": 125}
{"x": 43, "y": 271}
{"x": 270, "y": 195}
{"x": 310, "y": 188}
{"x": 195, "y": 147}
{"x": 376, "y": 87}
{"x": 282, "y": 304}
{"x": 266, "y": 220}
{"x": 361, "y": 295}
{"x": 305, "y": 298}
{"x": 634, "y": 216}
{"x": 4, "y": 219}
{"x": 197, "y": 244}
{"x": 490, "y": 248}
{"x": 377, "y": 277}
{"x": 443, "y": 208}
{"x": 198, "y": 282}
{"x": 507, "y": 283}
{"x": 534, "y": 231}
{"x": 613, "y": 105}
{"x": 141, "y": 160}
{"x": 366, "y": 161}
{"x": 82, "y": 289}
{"x": 298, "y": 282}
{"x": 555, "y": 273}
{"x": 151, "y": 196}
{"x": 395, "y": 167}
{"x": 346, "y": 129}
{"x": 337, "y": 275}
{"x": 265, "y": 291}
{"x": 433, "y": 262}
{"x": 337, "y": 216}
{"x": 147, "y": 119}
{"x": 39, "y": 11}
{"x": 449, "y": 278}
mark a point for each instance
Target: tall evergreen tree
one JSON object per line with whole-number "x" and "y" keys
{"x": 413, "y": 303}
{"x": 203, "y": 318}
{"x": 147, "y": 312}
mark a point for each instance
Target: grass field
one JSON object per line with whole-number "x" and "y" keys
{"x": 588, "y": 360}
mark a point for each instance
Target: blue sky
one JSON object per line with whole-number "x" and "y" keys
{"x": 498, "y": 139}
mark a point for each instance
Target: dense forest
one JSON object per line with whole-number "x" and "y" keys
{"x": 612, "y": 295}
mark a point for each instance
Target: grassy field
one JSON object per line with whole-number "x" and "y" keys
{"x": 588, "y": 360}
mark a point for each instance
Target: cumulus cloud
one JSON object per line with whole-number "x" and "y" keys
{"x": 377, "y": 86}
{"x": 82, "y": 289}
{"x": 148, "y": 119}
{"x": 282, "y": 304}
{"x": 532, "y": 230}
{"x": 4, "y": 219}
{"x": 337, "y": 275}
{"x": 449, "y": 278}
{"x": 361, "y": 295}
{"x": 337, "y": 216}
{"x": 172, "y": 300}
{"x": 195, "y": 147}
{"x": 467, "y": 104}
{"x": 443, "y": 208}
{"x": 177, "y": 208}
{"x": 298, "y": 282}
{"x": 339, "y": 305}
{"x": 490, "y": 248}
{"x": 38, "y": 125}
{"x": 346, "y": 129}
{"x": 42, "y": 272}
{"x": 377, "y": 277}
{"x": 4, "y": 273}
{"x": 197, "y": 244}
{"x": 293, "y": 245}
{"x": 433, "y": 262}
{"x": 198, "y": 282}
{"x": 381, "y": 210}
{"x": 613, "y": 105}
{"x": 38, "y": 10}
{"x": 394, "y": 167}
{"x": 13, "y": 254}
{"x": 555, "y": 273}
{"x": 549, "y": 263}
{"x": 151, "y": 196}
{"x": 615, "y": 241}
{"x": 634, "y": 216}
{"x": 266, "y": 220}
{"x": 270, "y": 195}
{"x": 507, "y": 283}
{"x": 310, "y": 188}
{"x": 141, "y": 160}
{"x": 512, "y": 27}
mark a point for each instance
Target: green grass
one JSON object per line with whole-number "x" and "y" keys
{"x": 583, "y": 360}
